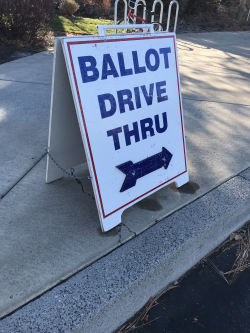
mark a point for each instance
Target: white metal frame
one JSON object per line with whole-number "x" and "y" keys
{"x": 161, "y": 12}
{"x": 153, "y": 9}
{"x": 144, "y": 8}
{"x": 125, "y": 12}
{"x": 103, "y": 28}
{"x": 176, "y": 14}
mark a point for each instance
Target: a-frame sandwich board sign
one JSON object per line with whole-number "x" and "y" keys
{"x": 116, "y": 103}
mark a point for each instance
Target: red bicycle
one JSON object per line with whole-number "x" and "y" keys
{"x": 131, "y": 17}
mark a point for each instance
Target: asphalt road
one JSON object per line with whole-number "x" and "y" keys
{"x": 203, "y": 302}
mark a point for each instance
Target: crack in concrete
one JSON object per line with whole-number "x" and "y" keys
{"x": 205, "y": 100}
{"x": 3, "y": 195}
{"x": 130, "y": 230}
{"x": 44, "y": 84}
{"x": 119, "y": 229}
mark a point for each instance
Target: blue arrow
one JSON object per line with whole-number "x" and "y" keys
{"x": 143, "y": 168}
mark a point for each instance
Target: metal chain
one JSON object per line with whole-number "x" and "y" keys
{"x": 78, "y": 180}
{"x": 71, "y": 174}
{"x": 119, "y": 230}
{"x": 63, "y": 170}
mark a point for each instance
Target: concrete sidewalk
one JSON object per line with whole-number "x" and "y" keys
{"x": 49, "y": 232}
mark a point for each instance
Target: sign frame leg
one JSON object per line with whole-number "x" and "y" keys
{"x": 65, "y": 140}
{"x": 182, "y": 180}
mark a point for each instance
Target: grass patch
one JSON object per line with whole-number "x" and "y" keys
{"x": 79, "y": 25}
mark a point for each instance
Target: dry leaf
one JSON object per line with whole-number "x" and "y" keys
{"x": 150, "y": 300}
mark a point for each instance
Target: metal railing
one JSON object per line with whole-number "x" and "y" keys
{"x": 176, "y": 15}
{"x": 144, "y": 8}
{"x": 161, "y": 12}
{"x": 137, "y": 3}
{"x": 125, "y": 13}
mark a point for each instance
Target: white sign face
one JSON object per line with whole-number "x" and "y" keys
{"x": 128, "y": 100}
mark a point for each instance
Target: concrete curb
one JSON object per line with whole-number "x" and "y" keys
{"x": 106, "y": 294}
